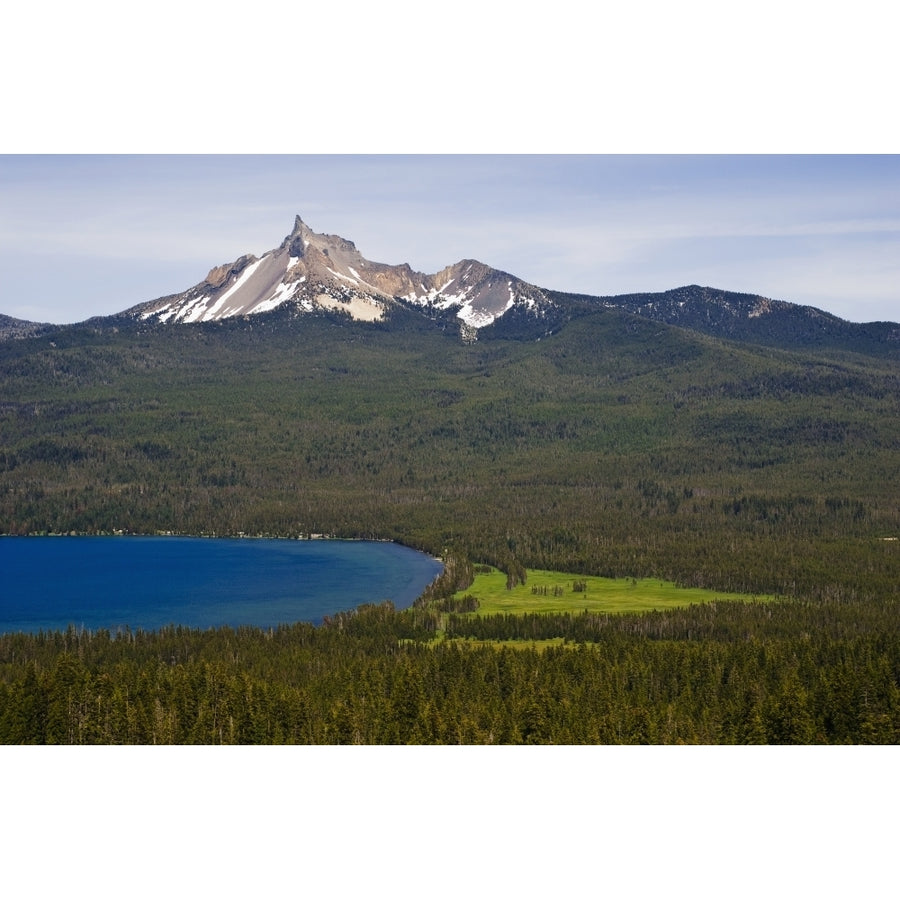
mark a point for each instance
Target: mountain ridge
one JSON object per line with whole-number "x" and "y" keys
{"x": 309, "y": 272}
{"x": 750, "y": 318}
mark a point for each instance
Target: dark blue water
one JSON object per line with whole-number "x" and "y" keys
{"x": 48, "y": 583}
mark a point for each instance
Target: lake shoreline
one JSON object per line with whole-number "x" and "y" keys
{"x": 241, "y": 535}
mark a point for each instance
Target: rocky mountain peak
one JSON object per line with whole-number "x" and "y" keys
{"x": 325, "y": 271}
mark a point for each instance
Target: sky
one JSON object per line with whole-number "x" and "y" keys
{"x": 85, "y": 235}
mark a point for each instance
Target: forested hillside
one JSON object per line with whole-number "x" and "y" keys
{"x": 800, "y": 672}
{"x": 617, "y": 446}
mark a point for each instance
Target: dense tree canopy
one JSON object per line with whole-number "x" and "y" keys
{"x": 618, "y": 447}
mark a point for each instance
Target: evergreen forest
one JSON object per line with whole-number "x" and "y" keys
{"x": 616, "y": 446}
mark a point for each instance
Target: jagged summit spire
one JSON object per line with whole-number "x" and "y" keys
{"x": 297, "y": 240}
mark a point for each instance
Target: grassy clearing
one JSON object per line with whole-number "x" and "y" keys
{"x": 553, "y": 592}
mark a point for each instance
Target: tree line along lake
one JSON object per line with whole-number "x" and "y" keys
{"x": 113, "y": 582}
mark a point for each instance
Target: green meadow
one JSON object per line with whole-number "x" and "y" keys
{"x": 554, "y": 592}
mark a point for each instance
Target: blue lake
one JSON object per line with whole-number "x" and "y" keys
{"x": 48, "y": 583}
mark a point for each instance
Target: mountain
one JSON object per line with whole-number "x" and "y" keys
{"x": 310, "y": 271}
